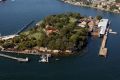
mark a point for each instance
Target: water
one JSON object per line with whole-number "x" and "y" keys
{"x": 89, "y": 66}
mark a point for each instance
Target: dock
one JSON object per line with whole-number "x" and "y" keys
{"x": 103, "y": 49}
{"x": 104, "y": 32}
{"x": 14, "y": 58}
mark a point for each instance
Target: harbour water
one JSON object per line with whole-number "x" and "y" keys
{"x": 88, "y": 66}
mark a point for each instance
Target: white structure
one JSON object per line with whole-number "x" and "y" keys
{"x": 103, "y": 25}
{"x": 45, "y": 58}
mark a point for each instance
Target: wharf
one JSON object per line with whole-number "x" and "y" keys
{"x": 103, "y": 49}
{"x": 104, "y": 29}
{"x": 14, "y": 58}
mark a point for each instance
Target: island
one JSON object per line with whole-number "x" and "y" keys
{"x": 61, "y": 34}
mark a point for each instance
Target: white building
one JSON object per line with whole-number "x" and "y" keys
{"x": 103, "y": 24}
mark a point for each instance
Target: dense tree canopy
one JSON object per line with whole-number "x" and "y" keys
{"x": 54, "y": 32}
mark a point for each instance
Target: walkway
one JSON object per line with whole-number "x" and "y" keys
{"x": 14, "y": 58}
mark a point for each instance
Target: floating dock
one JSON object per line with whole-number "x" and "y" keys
{"x": 14, "y": 58}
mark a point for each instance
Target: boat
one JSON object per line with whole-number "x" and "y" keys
{"x": 43, "y": 59}
{"x": 23, "y": 60}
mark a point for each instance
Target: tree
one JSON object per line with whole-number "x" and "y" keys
{"x": 21, "y": 46}
{"x": 29, "y": 44}
{"x": 8, "y": 45}
{"x": 16, "y": 40}
{"x": 113, "y": 7}
{"x": 118, "y": 1}
{"x": 74, "y": 37}
{"x": 98, "y": 17}
{"x": 63, "y": 34}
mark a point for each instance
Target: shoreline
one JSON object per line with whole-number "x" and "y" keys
{"x": 83, "y": 5}
{"x": 40, "y": 52}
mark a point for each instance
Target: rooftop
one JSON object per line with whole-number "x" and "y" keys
{"x": 103, "y": 25}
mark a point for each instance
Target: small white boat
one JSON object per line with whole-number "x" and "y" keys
{"x": 23, "y": 60}
{"x": 43, "y": 59}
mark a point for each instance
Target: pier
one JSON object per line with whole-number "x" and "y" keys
{"x": 14, "y": 58}
{"x": 103, "y": 49}
{"x": 104, "y": 32}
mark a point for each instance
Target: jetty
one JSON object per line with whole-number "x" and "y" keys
{"x": 14, "y": 58}
{"x": 113, "y": 32}
{"x": 103, "y": 49}
{"x": 110, "y": 31}
{"x": 104, "y": 32}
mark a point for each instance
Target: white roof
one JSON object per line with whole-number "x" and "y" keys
{"x": 103, "y": 25}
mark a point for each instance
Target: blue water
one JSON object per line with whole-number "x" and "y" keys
{"x": 89, "y": 66}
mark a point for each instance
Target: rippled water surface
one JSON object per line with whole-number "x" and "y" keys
{"x": 15, "y": 14}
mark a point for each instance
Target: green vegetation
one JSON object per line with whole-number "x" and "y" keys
{"x": 98, "y": 17}
{"x": 56, "y": 32}
{"x": 113, "y": 7}
{"x": 118, "y": 1}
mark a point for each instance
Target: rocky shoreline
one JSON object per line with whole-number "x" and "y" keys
{"x": 39, "y": 51}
